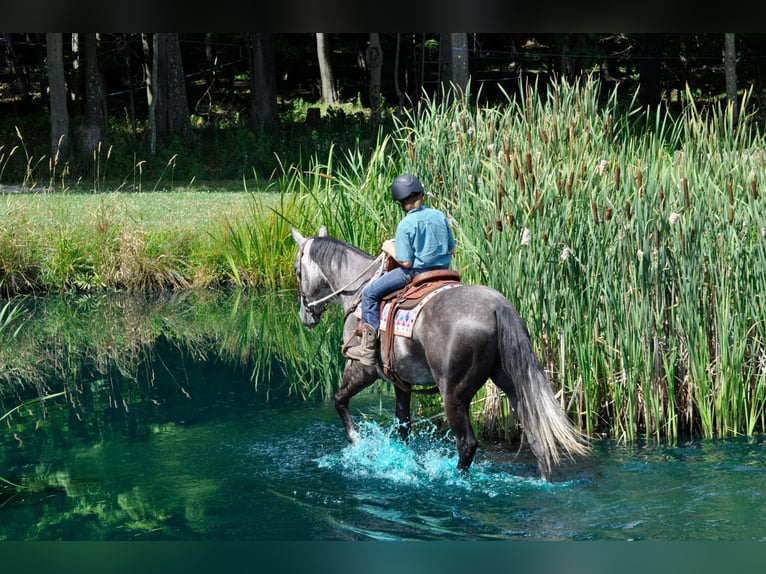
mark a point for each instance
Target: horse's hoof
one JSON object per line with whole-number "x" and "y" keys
{"x": 353, "y": 437}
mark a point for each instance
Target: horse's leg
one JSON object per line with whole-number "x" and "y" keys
{"x": 459, "y": 421}
{"x": 403, "y": 416}
{"x": 356, "y": 377}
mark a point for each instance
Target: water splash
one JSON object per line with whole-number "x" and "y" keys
{"x": 428, "y": 458}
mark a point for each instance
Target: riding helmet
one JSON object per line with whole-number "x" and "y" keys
{"x": 404, "y": 186}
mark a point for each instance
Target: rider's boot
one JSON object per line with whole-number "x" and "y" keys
{"x": 365, "y": 351}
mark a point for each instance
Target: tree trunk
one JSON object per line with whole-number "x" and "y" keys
{"x": 325, "y": 69}
{"x": 169, "y": 101}
{"x": 93, "y": 133}
{"x": 58, "y": 97}
{"x": 730, "y": 69}
{"x": 263, "y": 84}
{"x": 458, "y": 62}
{"x": 374, "y": 59}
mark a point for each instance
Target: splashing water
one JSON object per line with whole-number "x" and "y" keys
{"x": 428, "y": 458}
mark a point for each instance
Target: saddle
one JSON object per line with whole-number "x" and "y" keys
{"x": 409, "y": 298}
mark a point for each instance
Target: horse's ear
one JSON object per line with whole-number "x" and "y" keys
{"x": 322, "y": 231}
{"x": 299, "y": 239}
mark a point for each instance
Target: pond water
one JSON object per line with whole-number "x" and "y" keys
{"x": 185, "y": 445}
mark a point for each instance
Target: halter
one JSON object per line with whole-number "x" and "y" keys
{"x": 309, "y": 305}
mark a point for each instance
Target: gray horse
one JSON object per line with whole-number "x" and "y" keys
{"x": 463, "y": 337}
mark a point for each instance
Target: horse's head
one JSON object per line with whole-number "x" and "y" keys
{"x": 312, "y": 283}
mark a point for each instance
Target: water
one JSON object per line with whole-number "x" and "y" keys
{"x": 187, "y": 447}
{"x": 230, "y": 467}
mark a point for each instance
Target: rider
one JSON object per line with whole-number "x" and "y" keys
{"x": 423, "y": 241}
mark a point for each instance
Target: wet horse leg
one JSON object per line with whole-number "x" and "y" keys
{"x": 403, "y": 415}
{"x": 459, "y": 421}
{"x": 356, "y": 377}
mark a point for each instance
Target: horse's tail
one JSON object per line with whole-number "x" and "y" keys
{"x": 546, "y": 427}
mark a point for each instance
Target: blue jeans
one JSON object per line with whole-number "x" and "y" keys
{"x": 380, "y": 287}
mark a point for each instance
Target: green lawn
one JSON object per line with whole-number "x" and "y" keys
{"x": 150, "y": 211}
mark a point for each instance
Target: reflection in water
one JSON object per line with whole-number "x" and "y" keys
{"x": 184, "y": 420}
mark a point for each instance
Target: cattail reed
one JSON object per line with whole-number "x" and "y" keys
{"x": 639, "y": 181}
{"x": 594, "y": 209}
{"x": 627, "y": 210}
{"x": 617, "y": 179}
{"x": 730, "y": 193}
{"x": 685, "y": 183}
{"x": 528, "y": 157}
{"x": 753, "y": 189}
{"x": 570, "y": 182}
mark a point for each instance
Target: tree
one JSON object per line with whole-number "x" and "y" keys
{"x": 59, "y": 114}
{"x": 730, "y": 70}
{"x": 374, "y": 59}
{"x": 169, "y": 110}
{"x": 325, "y": 69}
{"x": 93, "y": 132}
{"x": 263, "y": 86}
{"x": 455, "y": 51}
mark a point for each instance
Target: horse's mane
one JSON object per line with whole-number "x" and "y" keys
{"x": 330, "y": 249}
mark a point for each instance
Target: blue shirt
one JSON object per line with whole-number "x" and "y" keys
{"x": 424, "y": 237}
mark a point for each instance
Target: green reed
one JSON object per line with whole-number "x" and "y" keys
{"x": 631, "y": 243}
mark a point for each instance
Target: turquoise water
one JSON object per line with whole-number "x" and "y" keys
{"x": 177, "y": 444}
{"x": 224, "y": 465}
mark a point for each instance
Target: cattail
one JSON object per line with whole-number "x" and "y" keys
{"x": 594, "y": 209}
{"x": 529, "y": 138}
{"x": 507, "y": 152}
{"x": 685, "y": 183}
{"x": 500, "y": 194}
{"x": 627, "y": 210}
{"x": 570, "y": 181}
{"x": 509, "y": 219}
{"x": 610, "y": 127}
{"x": 753, "y": 189}
{"x": 608, "y": 214}
{"x": 730, "y": 193}
{"x": 640, "y": 181}
{"x": 529, "y": 162}
{"x": 617, "y": 179}
{"x": 731, "y": 215}
{"x": 516, "y": 172}
{"x": 529, "y": 104}
{"x": 499, "y": 224}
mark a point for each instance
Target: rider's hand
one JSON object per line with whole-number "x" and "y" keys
{"x": 388, "y": 247}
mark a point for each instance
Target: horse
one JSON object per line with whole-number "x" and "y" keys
{"x": 463, "y": 337}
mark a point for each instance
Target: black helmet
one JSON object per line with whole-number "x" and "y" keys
{"x": 404, "y": 186}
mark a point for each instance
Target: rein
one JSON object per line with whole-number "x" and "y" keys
{"x": 310, "y": 304}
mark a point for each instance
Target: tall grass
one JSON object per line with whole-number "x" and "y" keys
{"x": 631, "y": 241}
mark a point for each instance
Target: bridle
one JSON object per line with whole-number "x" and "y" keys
{"x": 309, "y": 305}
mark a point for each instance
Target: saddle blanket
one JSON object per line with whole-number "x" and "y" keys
{"x": 404, "y": 319}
